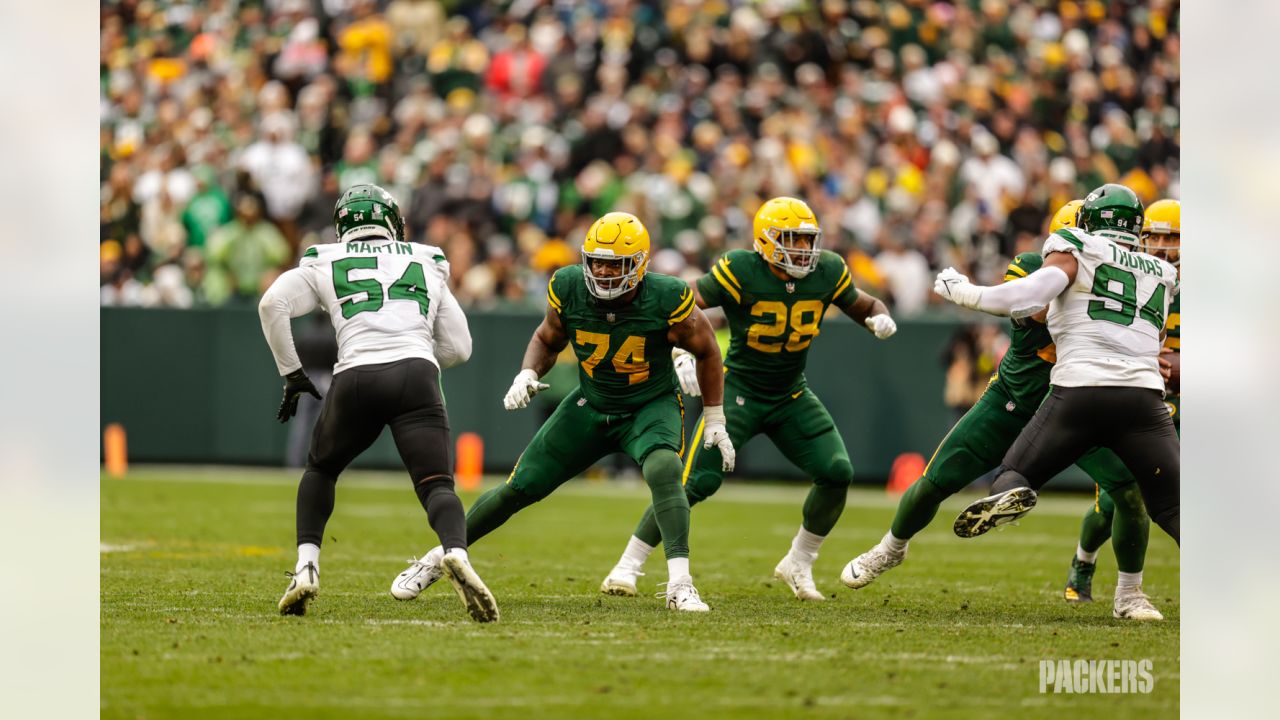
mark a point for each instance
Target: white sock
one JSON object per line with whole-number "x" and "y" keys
{"x": 805, "y": 546}
{"x": 307, "y": 553}
{"x": 1128, "y": 581}
{"x": 1089, "y": 557}
{"x": 457, "y": 551}
{"x": 637, "y": 552}
{"x": 677, "y": 568}
{"x": 893, "y": 544}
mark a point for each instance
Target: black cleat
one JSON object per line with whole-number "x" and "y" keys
{"x": 994, "y": 511}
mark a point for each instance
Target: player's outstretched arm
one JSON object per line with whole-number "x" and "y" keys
{"x": 547, "y": 342}
{"x": 694, "y": 334}
{"x": 870, "y": 312}
{"x": 1019, "y": 298}
{"x": 291, "y": 295}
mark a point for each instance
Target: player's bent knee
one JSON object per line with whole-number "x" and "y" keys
{"x": 661, "y": 466}
{"x": 837, "y": 474}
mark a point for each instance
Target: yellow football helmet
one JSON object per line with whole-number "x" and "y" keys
{"x": 782, "y": 222}
{"x": 1066, "y": 216}
{"x": 1162, "y": 230}
{"x": 615, "y": 255}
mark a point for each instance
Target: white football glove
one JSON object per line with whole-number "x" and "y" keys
{"x": 523, "y": 388}
{"x": 954, "y": 286}
{"x": 686, "y": 372}
{"x": 715, "y": 434}
{"x": 882, "y": 325}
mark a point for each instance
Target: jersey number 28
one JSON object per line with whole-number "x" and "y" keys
{"x": 412, "y": 285}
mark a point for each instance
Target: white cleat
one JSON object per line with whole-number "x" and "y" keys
{"x": 421, "y": 574}
{"x": 621, "y": 580}
{"x": 860, "y": 571}
{"x": 683, "y": 596}
{"x": 470, "y": 588}
{"x": 1135, "y": 605}
{"x": 304, "y": 586}
{"x": 993, "y": 511}
{"x": 798, "y": 576}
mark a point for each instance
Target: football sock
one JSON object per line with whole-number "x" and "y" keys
{"x": 444, "y": 511}
{"x": 1084, "y": 556}
{"x": 458, "y": 552}
{"x": 1131, "y": 529}
{"x": 894, "y": 544}
{"x": 637, "y": 551}
{"x": 677, "y": 568}
{"x": 648, "y": 531}
{"x": 1095, "y": 530}
{"x": 493, "y": 509}
{"x": 1128, "y": 582}
{"x": 917, "y": 508}
{"x": 823, "y": 506}
{"x": 805, "y": 545}
{"x": 670, "y": 506}
{"x": 307, "y": 553}
{"x": 315, "y": 505}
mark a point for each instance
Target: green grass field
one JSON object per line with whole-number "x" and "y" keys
{"x": 193, "y": 562}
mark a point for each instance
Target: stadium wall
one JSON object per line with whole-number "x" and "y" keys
{"x": 199, "y": 386}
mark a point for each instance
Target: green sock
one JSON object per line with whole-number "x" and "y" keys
{"x": 493, "y": 509}
{"x": 1131, "y": 529}
{"x": 670, "y": 508}
{"x": 917, "y": 508}
{"x": 822, "y": 508}
{"x": 1095, "y": 529}
{"x": 648, "y": 530}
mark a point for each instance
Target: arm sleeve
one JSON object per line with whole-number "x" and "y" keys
{"x": 451, "y": 333}
{"x": 1024, "y": 296}
{"x": 291, "y": 295}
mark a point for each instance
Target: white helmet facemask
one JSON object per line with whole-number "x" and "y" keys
{"x": 608, "y": 287}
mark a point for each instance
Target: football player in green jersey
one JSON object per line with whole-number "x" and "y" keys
{"x": 774, "y": 299}
{"x": 623, "y": 324}
{"x": 980, "y": 439}
{"x": 1162, "y": 237}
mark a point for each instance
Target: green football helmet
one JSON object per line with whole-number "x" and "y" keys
{"x": 1112, "y": 211}
{"x": 366, "y": 211}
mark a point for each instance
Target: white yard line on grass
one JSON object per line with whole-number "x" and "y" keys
{"x": 748, "y": 492}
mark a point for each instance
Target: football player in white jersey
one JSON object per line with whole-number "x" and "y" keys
{"x": 398, "y": 326}
{"x": 1107, "y": 306}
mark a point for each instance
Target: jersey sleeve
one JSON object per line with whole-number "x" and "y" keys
{"x": 721, "y": 286}
{"x": 557, "y": 290}
{"x": 1064, "y": 240}
{"x": 311, "y": 257}
{"x": 844, "y": 294}
{"x": 684, "y": 304}
{"x": 293, "y": 294}
{"x": 1023, "y": 265}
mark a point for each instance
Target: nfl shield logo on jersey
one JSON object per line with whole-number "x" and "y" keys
{"x": 791, "y": 287}
{"x": 1010, "y": 406}
{"x": 741, "y": 400}
{"x": 611, "y": 317}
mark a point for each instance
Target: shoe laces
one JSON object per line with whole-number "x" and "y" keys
{"x": 675, "y": 588}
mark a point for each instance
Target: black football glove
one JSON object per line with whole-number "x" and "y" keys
{"x": 295, "y": 383}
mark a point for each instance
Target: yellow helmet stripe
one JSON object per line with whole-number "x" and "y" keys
{"x": 715, "y": 272}
{"x": 724, "y": 265}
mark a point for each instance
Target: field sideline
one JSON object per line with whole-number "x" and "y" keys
{"x": 193, "y": 562}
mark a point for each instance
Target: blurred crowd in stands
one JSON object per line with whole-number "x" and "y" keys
{"x": 924, "y": 133}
